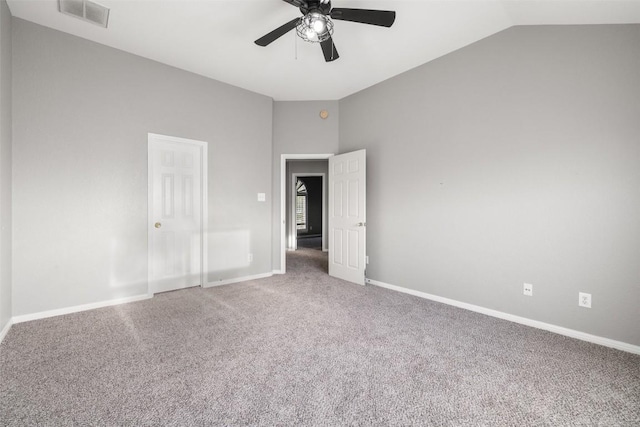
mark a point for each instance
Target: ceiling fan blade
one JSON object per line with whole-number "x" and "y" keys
{"x": 277, "y": 33}
{"x": 383, "y": 18}
{"x": 329, "y": 50}
{"x": 296, "y": 3}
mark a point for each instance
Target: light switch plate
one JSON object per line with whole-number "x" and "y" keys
{"x": 262, "y": 197}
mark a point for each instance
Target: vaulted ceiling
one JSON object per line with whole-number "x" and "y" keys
{"x": 215, "y": 38}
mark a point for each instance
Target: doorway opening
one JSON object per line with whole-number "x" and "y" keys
{"x": 345, "y": 212}
{"x": 308, "y": 211}
{"x": 307, "y": 219}
{"x": 301, "y": 165}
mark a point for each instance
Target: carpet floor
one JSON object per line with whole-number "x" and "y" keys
{"x": 306, "y": 349}
{"x": 310, "y": 242}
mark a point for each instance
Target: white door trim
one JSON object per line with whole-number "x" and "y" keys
{"x": 294, "y": 230}
{"x": 283, "y": 200}
{"x": 204, "y": 206}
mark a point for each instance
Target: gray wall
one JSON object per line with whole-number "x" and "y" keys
{"x": 515, "y": 159}
{"x": 307, "y": 166}
{"x": 82, "y": 112}
{"x": 298, "y": 129}
{"x": 5, "y": 164}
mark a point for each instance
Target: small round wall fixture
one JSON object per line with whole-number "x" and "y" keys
{"x": 324, "y": 114}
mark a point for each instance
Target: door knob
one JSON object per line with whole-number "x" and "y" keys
{"x": 361, "y": 224}
{"x": 157, "y": 225}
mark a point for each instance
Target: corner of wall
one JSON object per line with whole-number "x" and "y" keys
{"x": 5, "y": 168}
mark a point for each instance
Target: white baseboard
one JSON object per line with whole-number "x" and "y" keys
{"x": 278, "y": 272}
{"x": 237, "y": 280}
{"x": 607, "y": 342}
{"x": 5, "y": 330}
{"x": 77, "y": 308}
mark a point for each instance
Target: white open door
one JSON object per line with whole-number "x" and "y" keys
{"x": 177, "y": 209}
{"x": 347, "y": 216}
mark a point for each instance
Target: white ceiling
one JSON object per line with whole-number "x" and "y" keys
{"x": 214, "y": 38}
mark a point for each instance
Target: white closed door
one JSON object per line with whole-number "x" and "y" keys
{"x": 175, "y": 213}
{"x": 347, "y": 216}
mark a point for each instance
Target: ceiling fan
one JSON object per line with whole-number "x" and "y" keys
{"x": 316, "y": 26}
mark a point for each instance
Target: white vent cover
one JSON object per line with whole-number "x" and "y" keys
{"x": 85, "y": 10}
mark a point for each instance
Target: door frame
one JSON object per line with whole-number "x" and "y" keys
{"x": 283, "y": 201}
{"x": 204, "y": 169}
{"x": 293, "y": 245}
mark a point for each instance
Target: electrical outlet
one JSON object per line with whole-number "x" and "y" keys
{"x": 366, "y": 259}
{"x": 528, "y": 289}
{"x": 584, "y": 299}
{"x": 250, "y": 257}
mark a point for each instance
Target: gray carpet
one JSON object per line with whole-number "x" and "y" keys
{"x": 306, "y": 349}
{"x": 310, "y": 242}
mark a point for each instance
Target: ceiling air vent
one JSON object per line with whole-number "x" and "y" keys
{"x": 85, "y": 10}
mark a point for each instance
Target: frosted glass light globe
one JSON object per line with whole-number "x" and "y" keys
{"x": 318, "y": 25}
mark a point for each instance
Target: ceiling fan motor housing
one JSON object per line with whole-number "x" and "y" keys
{"x": 315, "y": 6}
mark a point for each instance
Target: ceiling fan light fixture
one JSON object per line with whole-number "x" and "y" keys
{"x": 318, "y": 25}
{"x": 314, "y": 27}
